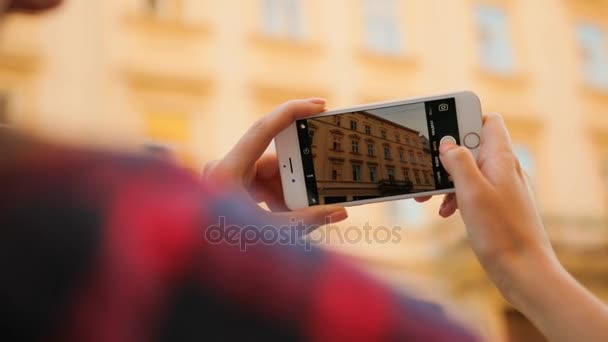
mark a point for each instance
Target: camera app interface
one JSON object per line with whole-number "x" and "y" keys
{"x": 376, "y": 153}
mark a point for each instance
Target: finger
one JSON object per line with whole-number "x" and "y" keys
{"x": 448, "y": 206}
{"x": 267, "y": 168}
{"x": 210, "y": 170}
{"x": 314, "y": 217}
{"x": 260, "y": 135}
{"x": 461, "y": 165}
{"x": 271, "y": 191}
{"x": 495, "y": 136}
{"x": 423, "y": 199}
{"x": 276, "y": 206}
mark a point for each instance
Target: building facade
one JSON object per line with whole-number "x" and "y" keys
{"x": 190, "y": 76}
{"x": 362, "y": 156}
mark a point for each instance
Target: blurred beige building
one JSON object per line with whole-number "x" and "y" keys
{"x": 189, "y": 76}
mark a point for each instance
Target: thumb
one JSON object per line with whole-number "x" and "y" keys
{"x": 311, "y": 218}
{"x": 461, "y": 165}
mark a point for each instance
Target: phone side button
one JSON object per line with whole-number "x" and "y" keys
{"x": 472, "y": 141}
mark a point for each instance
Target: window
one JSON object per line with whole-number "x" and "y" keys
{"x": 353, "y": 125}
{"x": 407, "y": 140}
{"x": 417, "y": 176}
{"x": 383, "y": 134}
{"x": 186, "y": 11}
{"x": 387, "y": 152}
{"x": 371, "y": 150}
{"x": 391, "y": 174}
{"x": 397, "y": 138}
{"x": 169, "y": 130}
{"x": 337, "y": 120}
{"x": 382, "y": 31}
{"x": 167, "y": 127}
{"x": 373, "y": 174}
{"x": 337, "y": 145}
{"x": 355, "y": 146}
{"x": 334, "y": 175}
{"x": 406, "y": 174}
{"x": 283, "y": 18}
{"x": 412, "y": 157}
{"x": 401, "y": 155}
{"x": 368, "y": 130}
{"x": 356, "y": 172}
{"x": 420, "y": 158}
{"x": 426, "y": 178}
{"x": 496, "y": 52}
{"x": 592, "y": 41}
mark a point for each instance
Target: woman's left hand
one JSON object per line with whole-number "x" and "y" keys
{"x": 247, "y": 167}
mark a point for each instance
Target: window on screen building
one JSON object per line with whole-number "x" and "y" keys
{"x": 356, "y": 172}
{"x": 382, "y": 26}
{"x": 496, "y": 51}
{"x": 282, "y": 18}
{"x": 373, "y": 174}
{"x": 370, "y": 149}
{"x": 593, "y": 48}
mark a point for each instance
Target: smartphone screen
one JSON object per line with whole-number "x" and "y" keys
{"x": 377, "y": 153}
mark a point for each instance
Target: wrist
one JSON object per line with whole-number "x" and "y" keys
{"x": 526, "y": 279}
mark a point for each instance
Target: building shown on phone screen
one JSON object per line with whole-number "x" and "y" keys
{"x": 362, "y": 156}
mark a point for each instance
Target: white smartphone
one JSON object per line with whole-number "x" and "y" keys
{"x": 377, "y": 152}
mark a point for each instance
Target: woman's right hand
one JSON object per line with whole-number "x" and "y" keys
{"x": 508, "y": 237}
{"x": 497, "y": 207}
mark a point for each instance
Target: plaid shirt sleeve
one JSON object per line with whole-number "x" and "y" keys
{"x": 101, "y": 247}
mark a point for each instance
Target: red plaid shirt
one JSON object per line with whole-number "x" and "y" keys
{"x": 103, "y": 247}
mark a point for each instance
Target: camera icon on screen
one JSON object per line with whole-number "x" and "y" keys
{"x": 444, "y": 107}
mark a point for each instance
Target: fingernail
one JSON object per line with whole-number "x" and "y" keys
{"x": 441, "y": 209}
{"x": 446, "y": 146}
{"x": 318, "y": 101}
{"x": 337, "y": 214}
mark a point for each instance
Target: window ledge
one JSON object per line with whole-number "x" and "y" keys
{"x": 185, "y": 84}
{"x": 513, "y": 79}
{"x": 21, "y": 62}
{"x": 387, "y": 59}
{"x": 155, "y": 24}
{"x": 287, "y": 43}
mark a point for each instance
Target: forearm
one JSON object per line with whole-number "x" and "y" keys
{"x": 560, "y": 307}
